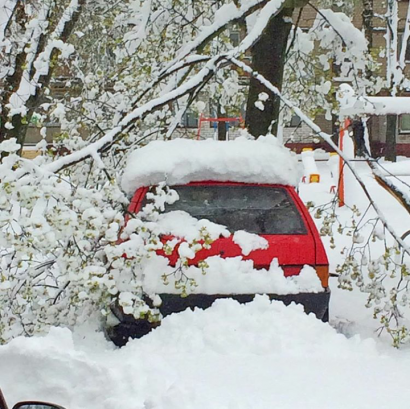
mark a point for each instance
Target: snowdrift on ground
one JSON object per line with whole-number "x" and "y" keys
{"x": 255, "y": 356}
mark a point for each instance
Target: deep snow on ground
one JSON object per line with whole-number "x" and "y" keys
{"x": 260, "y": 355}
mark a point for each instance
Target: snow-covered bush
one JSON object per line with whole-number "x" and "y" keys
{"x": 61, "y": 260}
{"x": 332, "y": 48}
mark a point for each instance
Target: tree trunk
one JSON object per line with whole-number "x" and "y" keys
{"x": 335, "y": 128}
{"x": 391, "y": 133}
{"x": 358, "y": 137}
{"x": 268, "y": 58}
{"x": 221, "y": 126}
{"x": 12, "y": 82}
{"x": 367, "y": 20}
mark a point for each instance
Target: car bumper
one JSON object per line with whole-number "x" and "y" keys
{"x": 317, "y": 303}
{"x": 129, "y": 327}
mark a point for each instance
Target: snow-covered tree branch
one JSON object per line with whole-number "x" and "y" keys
{"x": 31, "y": 46}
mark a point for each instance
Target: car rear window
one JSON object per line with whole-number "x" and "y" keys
{"x": 256, "y": 209}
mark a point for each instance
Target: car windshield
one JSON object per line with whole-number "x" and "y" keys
{"x": 255, "y": 209}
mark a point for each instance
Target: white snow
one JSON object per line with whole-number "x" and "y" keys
{"x": 181, "y": 161}
{"x": 230, "y": 276}
{"x": 255, "y": 356}
{"x": 401, "y": 168}
{"x": 263, "y": 96}
{"x": 6, "y": 11}
{"x": 249, "y": 242}
{"x": 259, "y": 105}
{"x": 351, "y": 104}
{"x": 226, "y": 15}
{"x": 200, "y": 106}
{"x": 10, "y": 145}
{"x": 309, "y": 164}
{"x": 341, "y": 23}
{"x": 180, "y": 224}
{"x": 250, "y": 356}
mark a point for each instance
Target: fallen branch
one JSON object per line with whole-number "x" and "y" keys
{"x": 317, "y": 130}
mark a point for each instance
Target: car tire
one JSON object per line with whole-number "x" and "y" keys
{"x": 325, "y": 317}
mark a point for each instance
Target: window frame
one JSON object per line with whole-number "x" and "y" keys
{"x": 401, "y": 130}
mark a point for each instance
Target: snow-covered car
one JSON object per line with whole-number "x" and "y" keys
{"x": 234, "y": 184}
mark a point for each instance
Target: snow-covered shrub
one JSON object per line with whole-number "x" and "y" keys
{"x": 61, "y": 260}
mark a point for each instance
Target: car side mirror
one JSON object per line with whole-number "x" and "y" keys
{"x": 36, "y": 405}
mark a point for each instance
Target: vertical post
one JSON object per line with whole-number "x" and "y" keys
{"x": 215, "y": 125}
{"x": 279, "y": 132}
{"x": 391, "y": 139}
{"x": 199, "y": 126}
{"x": 341, "y": 186}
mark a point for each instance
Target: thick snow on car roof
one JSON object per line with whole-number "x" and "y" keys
{"x": 181, "y": 161}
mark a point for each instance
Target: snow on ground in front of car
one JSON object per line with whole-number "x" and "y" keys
{"x": 181, "y": 161}
{"x": 228, "y": 276}
{"x": 255, "y": 356}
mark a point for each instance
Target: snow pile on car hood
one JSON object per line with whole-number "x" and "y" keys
{"x": 182, "y": 161}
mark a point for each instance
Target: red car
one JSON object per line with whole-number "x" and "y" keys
{"x": 272, "y": 211}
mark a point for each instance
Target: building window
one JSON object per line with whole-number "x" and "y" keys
{"x": 235, "y": 38}
{"x": 407, "y": 54}
{"x": 294, "y": 122}
{"x": 405, "y": 123}
{"x": 190, "y": 119}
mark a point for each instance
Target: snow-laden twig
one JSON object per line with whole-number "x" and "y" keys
{"x": 404, "y": 40}
{"x": 138, "y": 113}
{"x": 226, "y": 15}
{"x": 394, "y": 74}
{"x": 7, "y": 9}
{"x": 315, "y": 128}
{"x": 222, "y": 21}
{"x": 268, "y": 11}
{"x": 43, "y": 60}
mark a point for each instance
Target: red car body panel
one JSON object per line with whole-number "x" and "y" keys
{"x": 292, "y": 251}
